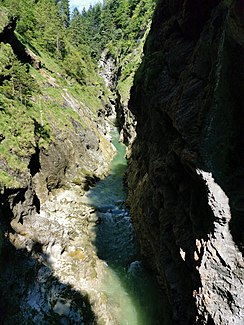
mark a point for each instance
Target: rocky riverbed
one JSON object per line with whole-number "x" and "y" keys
{"x": 74, "y": 260}
{"x": 55, "y": 272}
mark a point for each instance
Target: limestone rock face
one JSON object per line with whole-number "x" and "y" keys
{"x": 47, "y": 255}
{"x": 118, "y": 108}
{"x": 185, "y": 175}
{"x": 51, "y": 264}
{"x": 126, "y": 121}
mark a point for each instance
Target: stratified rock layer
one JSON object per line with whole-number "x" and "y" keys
{"x": 186, "y": 174}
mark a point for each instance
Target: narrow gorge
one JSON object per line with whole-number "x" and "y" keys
{"x": 121, "y": 162}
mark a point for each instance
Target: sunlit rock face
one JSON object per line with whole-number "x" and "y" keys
{"x": 221, "y": 263}
{"x": 48, "y": 261}
{"x": 186, "y": 174}
{"x": 52, "y": 266}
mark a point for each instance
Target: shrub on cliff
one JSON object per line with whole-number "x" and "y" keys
{"x": 15, "y": 81}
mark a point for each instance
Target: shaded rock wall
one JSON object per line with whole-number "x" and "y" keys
{"x": 7, "y": 36}
{"x": 185, "y": 175}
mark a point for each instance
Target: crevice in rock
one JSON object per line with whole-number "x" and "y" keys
{"x": 16, "y": 205}
{"x": 36, "y": 203}
{"x": 90, "y": 181}
{"x": 6, "y": 211}
{"x": 34, "y": 164}
{"x": 188, "y": 104}
{"x": 19, "y": 197}
{"x": 125, "y": 121}
{"x": 8, "y": 36}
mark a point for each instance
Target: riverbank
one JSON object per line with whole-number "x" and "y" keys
{"x": 57, "y": 254}
{"x": 76, "y": 261}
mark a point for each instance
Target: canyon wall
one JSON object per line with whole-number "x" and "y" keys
{"x": 53, "y": 147}
{"x": 57, "y": 137}
{"x": 185, "y": 174}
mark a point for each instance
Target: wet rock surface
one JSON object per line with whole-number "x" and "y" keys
{"x": 50, "y": 272}
{"x": 52, "y": 267}
{"x": 73, "y": 258}
{"x": 182, "y": 181}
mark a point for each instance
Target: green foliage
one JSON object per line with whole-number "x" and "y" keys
{"x": 121, "y": 31}
{"x": 27, "y": 22}
{"x": 117, "y": 25}
{"x": 6, "y": 58}
{"x": 3, "y": 18}
{"x": 23, "y": 10}
{"x": 76, "y": 31}
{"x": 41, "y": 131}
{"x": 36, "y": 104}
{"x": 7, "y": 180}
{"x": 14, "y": 7}
{"x": 15, "y": 80}
{"x": 78, "y": 65}
{"x": 17, "y": 129}
{"x": 63, "y": 8}
{"x": 50, "y": 31}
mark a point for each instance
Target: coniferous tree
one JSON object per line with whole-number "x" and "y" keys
{"x": 117, "y": 25}
{"x": 14, "y": 6}
{"x": 24, "y": 11}
{"x": 92, "y": 25}
{"x": 63, "y": 6}
{"x": 50, "y": 31}
{"x": 107, "y": 27}
{"x": 15, "y": 81}
{"x": 76, "y": 32}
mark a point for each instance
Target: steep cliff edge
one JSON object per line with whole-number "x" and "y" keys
{"x": 185, "y": 174}
{"x": 54, "y": 145}
{"x": 50, "y": 123}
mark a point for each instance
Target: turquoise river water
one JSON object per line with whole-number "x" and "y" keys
{"x": 128, "y": 284}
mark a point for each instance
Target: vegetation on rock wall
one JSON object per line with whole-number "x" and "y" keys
{"x": 117, "y": 32}
{"x": 49, "y": 75}
{"x": 54, "y": 146}
{"x": 37, "y": 103}
{"x": 119, "y": 28}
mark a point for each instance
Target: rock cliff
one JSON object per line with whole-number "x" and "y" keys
{"x": 53, "y": 146}
{"x": 185, "y": 174}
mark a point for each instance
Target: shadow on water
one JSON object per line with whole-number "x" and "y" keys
{"x": 116, "y": 245}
